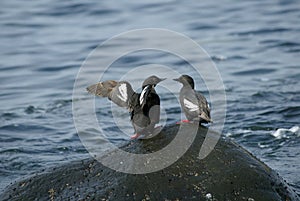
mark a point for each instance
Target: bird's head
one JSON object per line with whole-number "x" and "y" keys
{"x": 186, "y": 81}
{"x": 152, "y": 80}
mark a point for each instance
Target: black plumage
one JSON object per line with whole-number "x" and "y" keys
{"x": 144, "y": 107}
{"x": 193, "y": 103}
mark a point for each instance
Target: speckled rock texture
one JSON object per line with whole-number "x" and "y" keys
{"x": 229, "y": 172}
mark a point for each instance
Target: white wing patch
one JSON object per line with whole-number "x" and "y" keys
{"x": 143, "y": 94}
{"x": 191, "y": 106}
{"x": 123, "y": 92}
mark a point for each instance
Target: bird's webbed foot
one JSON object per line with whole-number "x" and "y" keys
{"x": 135, "y": 136}
{"x": 184, "y": 121}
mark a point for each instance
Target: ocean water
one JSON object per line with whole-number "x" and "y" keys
{"x": 254, "y": 44}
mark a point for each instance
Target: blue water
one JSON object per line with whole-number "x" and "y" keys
{"x": 255, "y": 45}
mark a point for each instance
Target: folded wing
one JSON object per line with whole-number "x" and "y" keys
{"x": 190, "y": 105}
{"x": 203, "y": 107}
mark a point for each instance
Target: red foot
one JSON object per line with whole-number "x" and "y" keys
{"x": 134, "y": 136}
{"x": 183, "y": 121}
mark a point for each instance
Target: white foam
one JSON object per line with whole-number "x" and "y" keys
{"x": 295, "y": 129}
{"x": 228, "y": 134}
{"x": 264, "y": 79}
{"x": 262, "y": 146}
{"x": 282, "y": 132}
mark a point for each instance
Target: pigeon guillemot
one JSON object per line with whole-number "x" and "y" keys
{"x": 194, "y": 104}
{"x": 144, "y": 107}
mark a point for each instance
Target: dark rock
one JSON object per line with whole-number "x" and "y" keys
{"x": 229, "y": 172}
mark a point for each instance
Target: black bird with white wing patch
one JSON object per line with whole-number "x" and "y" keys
{"x": 144, "y": 107}
{"x": 193, "y": 103}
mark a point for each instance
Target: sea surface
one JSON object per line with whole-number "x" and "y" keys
{"x": 255, "y": 46}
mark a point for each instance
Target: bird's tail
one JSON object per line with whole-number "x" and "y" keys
{"x": 102, "y": 89}
{"x": 205, "y": 117}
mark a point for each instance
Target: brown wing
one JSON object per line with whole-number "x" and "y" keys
{"x": 118, "y": 92}
{"x": 102, "y": 89}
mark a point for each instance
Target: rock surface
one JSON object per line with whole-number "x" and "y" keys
{"x": 229, "y": 172}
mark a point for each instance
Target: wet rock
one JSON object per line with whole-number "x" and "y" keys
{"x": 229, "y": 172}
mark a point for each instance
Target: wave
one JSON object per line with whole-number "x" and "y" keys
{"x": 286, "y": 132}
{"x": 261, "y": 31}
{"x": 255, "y": 71}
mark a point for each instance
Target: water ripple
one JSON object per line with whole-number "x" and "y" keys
{"x": 256, "y": 71}
{"x": 262, "y": 31}
{"x": 43, "y": 44}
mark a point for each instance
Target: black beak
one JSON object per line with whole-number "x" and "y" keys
{"x": 176, "y": 79}
{"x": 162, "y": 79}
